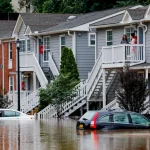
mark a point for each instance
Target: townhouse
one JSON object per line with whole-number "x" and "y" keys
{"x": 95, "y": 41}
{"x": 7, "y": 57}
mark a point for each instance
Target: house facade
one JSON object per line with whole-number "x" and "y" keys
{"x": 7, "y": 58}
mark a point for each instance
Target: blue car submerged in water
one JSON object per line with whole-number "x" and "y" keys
{"x": 113, "y": 119}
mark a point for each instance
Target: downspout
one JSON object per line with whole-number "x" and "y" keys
{"x": 73, "y": 42}
{"x": 2, "y": 65}
{"x": 145, "y": 26}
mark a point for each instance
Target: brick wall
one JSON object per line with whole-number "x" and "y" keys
{"x": 7, "y": 71}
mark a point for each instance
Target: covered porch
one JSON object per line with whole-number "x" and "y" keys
{"x": 118, "y": 55}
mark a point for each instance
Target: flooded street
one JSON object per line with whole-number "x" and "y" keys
{"x": 62, "y": 135}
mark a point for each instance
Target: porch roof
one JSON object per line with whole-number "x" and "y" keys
{"x": 113, "y": 20}
{"x": 141, "y": 66}
{"x": 137, "y": 14}
{"x": 6, "y": 28}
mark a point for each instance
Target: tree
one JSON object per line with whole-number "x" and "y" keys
{"x": 6, "y": 6}
{"x": 121, "y": 3}
{"x": 133, "y": 91}
{"x": 61, "y": 90}
{"x": 68, "y": 64}
{"x": 4, "y": 102}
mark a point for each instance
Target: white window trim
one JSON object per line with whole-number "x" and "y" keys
{"x": 9, "y": 51}
{"x": 25, "y": 45}
{"x": 127, "y": 27}
{"x": 12, "y": 83}
{"x": 106, "y": 37}
{"x": 89, "y": 39}
{"x": 44, "y": 48}
{"x": 63, "y": 35}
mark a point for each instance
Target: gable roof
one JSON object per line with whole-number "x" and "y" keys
{"x": 137, "y": 14}
{"x": 112, "y": 20}
{"x": 41, "y": 21}
{"x": 6, "y": 28}
{"x": 83, "y": 19}
{"x": 131, "y": 14}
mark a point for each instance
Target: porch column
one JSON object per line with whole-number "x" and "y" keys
{"x": 34, "y": 81}
{"x": 81, "y": 111}
{"x": 146, "y": 74}
{"x": 104, "y": 88}
{"x": 87, "y": 105}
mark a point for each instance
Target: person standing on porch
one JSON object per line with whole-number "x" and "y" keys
{"x": 124, "y": 40}
{"x": 133, "y": 48}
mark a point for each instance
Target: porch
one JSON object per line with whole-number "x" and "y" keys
{"x": 118, "y": 55}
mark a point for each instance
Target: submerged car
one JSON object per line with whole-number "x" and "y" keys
{"x": 10, "y": 114}
{"x": 113, "y": 119}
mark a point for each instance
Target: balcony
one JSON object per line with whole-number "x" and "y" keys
{"x": 118, "y": 55}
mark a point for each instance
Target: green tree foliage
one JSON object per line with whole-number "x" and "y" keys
{"x": 68, "y": 64}
{"x": 6, "y": 6}
{"x": 4, "y": 102}
{"x": 61, "y": 90}
{"x": 71, "y": 6}
{"x": 133, "y": 91}
{"x": 120, "y": 3}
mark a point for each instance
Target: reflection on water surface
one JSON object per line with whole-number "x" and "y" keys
{"x": 62, "y": 135}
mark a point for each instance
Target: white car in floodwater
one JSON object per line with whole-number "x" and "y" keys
{"x": 10, "y": 114}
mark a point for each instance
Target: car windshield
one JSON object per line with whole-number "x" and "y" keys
{"x": 88, "y": 115}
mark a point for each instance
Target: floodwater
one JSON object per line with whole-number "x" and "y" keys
{"x": 62, "y": 135}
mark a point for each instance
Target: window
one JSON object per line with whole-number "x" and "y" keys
{"x": 10, "y": 51}
{"x": 28, "y": 45}
{"x": 22, "y": 46}
{"x": 128, "y": 31}
{"x": 109, "y": 37}
{"x": 120, "y": 118}
{"x": 46, "y": 44}
{"x": 9, "y": 113}
{"x": 62, "y": 42}
{"x": 104, "y": 119}
{"x": 92, "y": 39}
{"x": 11, "y": 84}
{"x": 138, "y": 119}
{"x": 88, "y": 115}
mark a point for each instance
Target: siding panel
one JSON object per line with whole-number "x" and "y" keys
{"x": 85, "y": 55}
{"x": 101, "y": 37}
{"x": 147, "y": 46}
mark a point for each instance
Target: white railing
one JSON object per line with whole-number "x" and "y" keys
{"x": 52, "y": 65}
{"x": 30, "y": 101}
{"x": 50, "y": 110}
{"x": 94, "y": 76}
{"x": 28, "y": 60}
{"x": 123, "y": 53}
{"x": 111, "y": 105}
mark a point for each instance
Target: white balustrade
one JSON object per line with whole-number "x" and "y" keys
{"x": 28, "y": 60}
{"x": 52, "y": 65}
{"x": 123, "y": 53}
{"x": 50, "y": 110}
{"x": 95, "y": 73}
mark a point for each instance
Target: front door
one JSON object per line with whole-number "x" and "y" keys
{"x": 140, "y": 35}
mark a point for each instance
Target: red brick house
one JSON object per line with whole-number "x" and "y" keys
{"x": 7, "y": 57}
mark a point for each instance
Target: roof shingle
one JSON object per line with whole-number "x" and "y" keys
{"x": 6, "y": 28}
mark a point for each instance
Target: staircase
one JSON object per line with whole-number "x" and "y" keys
{"x": 86, "y": 90}
{"x": 48, "y": 73}
{"x": 32, "y": 100}
{"x": 68, "y": 107}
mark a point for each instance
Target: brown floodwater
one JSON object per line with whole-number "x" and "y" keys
{"x": 62, "y": 135}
